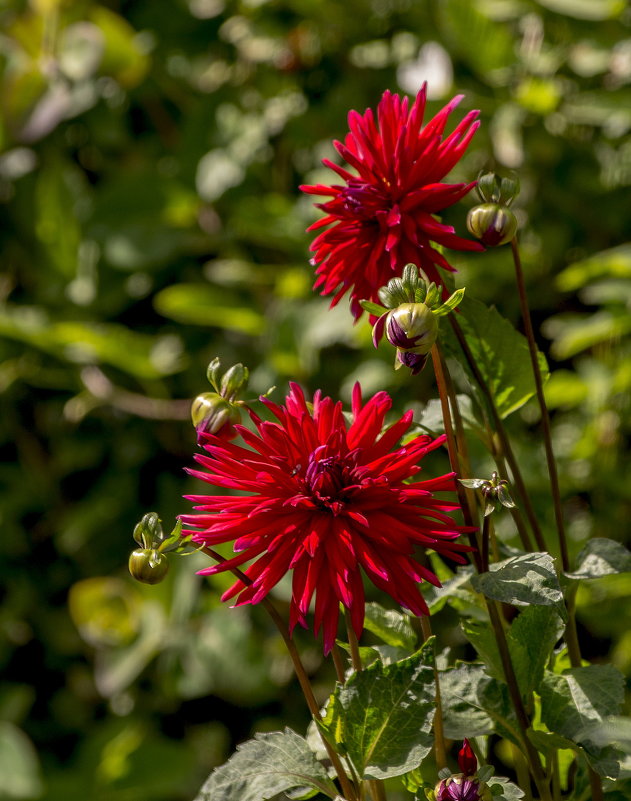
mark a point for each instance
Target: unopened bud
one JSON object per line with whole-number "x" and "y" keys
{"x": 148, "y": 532}
{"x": 148, "y": 565}
{"x": 494, "y": 188}
{"x": 212, "y": 414}
{"x": 413, "y": 327}
{"x": 492, "y": 224}
{"x": 233, "y": 381}
{"x": 467, "y": 761}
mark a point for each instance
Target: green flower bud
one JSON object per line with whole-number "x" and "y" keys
{"x": 148, "y": 566}
{"x": 494, "y": 188}
{"x": 148, "y": 532}
{"x": 492, "y": 224}
{"x": 213, "y": 414}
{"x": 233, "y": 381}
{"x": 412, "y": 327}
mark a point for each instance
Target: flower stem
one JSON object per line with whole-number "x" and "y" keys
{"x": 545, "y": 417}
{"x": 571, "y": 636}
{"x": 501, "y": 432}
{"x": 339, "y": 664}
{"x": 301, "y": 675}
{"x": 439, "y": 733}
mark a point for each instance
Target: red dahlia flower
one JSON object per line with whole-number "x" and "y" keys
{"x": 326, "y": 500}
{"x": 383, "y": 218}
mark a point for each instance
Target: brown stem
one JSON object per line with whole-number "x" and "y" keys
{"x": 301, "y": 675}
{"x": 452, "y": 449}
{"x": 571, "y": 636}
{"x": 545, "y": 417}
{"x": 353, "y": 643}
{"x": 501, "y": 432}
{"x": 339, "y": 664}
{"x": 439, "y": 733}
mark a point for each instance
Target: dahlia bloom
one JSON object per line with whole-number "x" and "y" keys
{"x": 383, "y": 217}
{"x": 328, "y": 501}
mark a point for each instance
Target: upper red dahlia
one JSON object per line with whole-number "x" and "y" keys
{"x": 383, "y": 218}
{"x": 326, "y": 500}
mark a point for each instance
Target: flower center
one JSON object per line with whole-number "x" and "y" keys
{"x": 365, "y": 201}
{"x": 326, "y": 479}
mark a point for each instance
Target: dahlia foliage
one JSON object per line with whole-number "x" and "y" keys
{"x": 384, "y": 216}
{"x": 328, "y": 501}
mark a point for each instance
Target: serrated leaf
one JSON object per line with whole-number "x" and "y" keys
{"x": 391, "y": 626}
{"x": 523, "y": 580}
{"x": 500, "y": 352}
{"x": 261, "y": 768}
{"x": 531, "y": 638}
{"x": 461, "y": 689}
{"x": 601, "y": 557}
{"x": 383, "y": 715}
{"x": 503, "y": 789}
{"x": 573, "y": 702}
{"x": 436, "y": 597}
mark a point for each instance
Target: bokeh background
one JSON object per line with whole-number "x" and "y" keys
{"x": 150, "y": 158}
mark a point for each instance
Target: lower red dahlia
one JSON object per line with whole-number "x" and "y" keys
{"x": 328, "y": 501}
{"x": 383, "y": 217}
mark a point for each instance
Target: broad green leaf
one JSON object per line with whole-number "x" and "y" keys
{"x": 461, "y": 689}
{"x": 436, "y": 597}
{"x": 480, "y": 635}
{"x": 523, "y": 580}
{"x": 19, "y": 766}
{"x": 202, "y": 304}
{"x": 393, "y": 627}
{"x": 531, "y": 638}
{"x": 383, "y": 715}
{"x": 573, "y": 702}
{"x": 261, "y": 768}
{"x": 500, "y": 352}
{"x": 548, "y": 742}
{"x": 601, "y": 557}
{"x": 475, "y": 704}
{"x": 574, "y": 333}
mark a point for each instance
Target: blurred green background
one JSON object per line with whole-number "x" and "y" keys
{"x": 150, "y": 154}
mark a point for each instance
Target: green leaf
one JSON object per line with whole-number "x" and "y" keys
{"x": 202, "y": 304}
{"x": 523, "y": 580}
{"x": 262, "y": 768}
{"x": 571, "y": 703}
{"x": 480, "y": 635}
{"x": 436, "y": 597}
{"x": 531, "y": 638}
{"x": 601, "y": 557}
{"x": 372, "y": 308}
{"x": 586, "y": 9}
{"x": 502, "y": 789}
{"x": 614, "y": 263}
{"x": 393, "y": 627}
{"x": 500, "y": 352}
{"x": 382, "y": 716}
{"x": 461, "y": 689}
{"x": 19, "y": 766}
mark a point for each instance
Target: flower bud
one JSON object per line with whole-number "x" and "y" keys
{"x": 212, "y": 414}
{"x": 467, "y": 761}
{"x": 412, "y": 327}
{"x": 459, "y": 788}
{"x": 492, "y": 224}
{"x": 233, "y": 381}
{"x": 148, "y": 566}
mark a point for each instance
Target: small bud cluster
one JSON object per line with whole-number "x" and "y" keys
{"x": 149, "y": 564}
{"x": 217, "y": 412}
{"x": 409, "y": 316}
{"x": 495, "y": 491}
{"x": 492, "y": 222}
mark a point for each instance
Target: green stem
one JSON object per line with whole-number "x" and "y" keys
{"x": 339, "y": 664}
{"x": 545, "y": 417}
{"x": 440, "y": 748}
{"x": 521, "y": 769}
{"x": 301, "y": 675}
{"x": 501, "y": 432}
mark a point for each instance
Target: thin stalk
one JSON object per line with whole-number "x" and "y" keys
{"x": 452, "y": 449}
{"x": 532, "y": 757}
{"x": 339, "y": 664}
{"x": 521, "y": 769}
{"x": 570, "y": 631}
{"x": 545, "y": 417}
{"x": 440, "y": 748}
{"x": 501, "y": 432}
{"x": 353, "y": 643}
{"x": 301, "y": 675}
